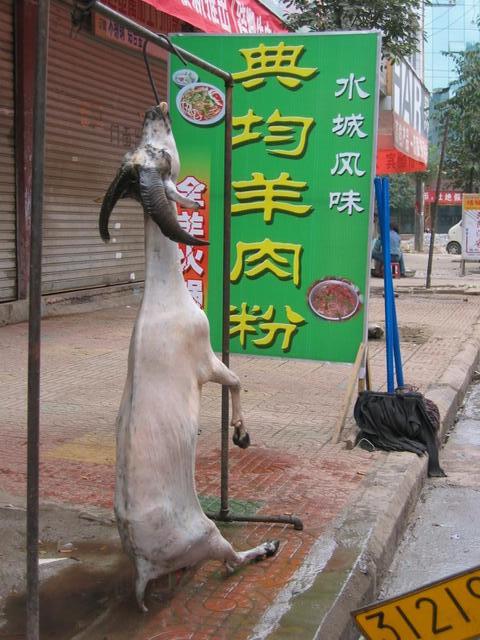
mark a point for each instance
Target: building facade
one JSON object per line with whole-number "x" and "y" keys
{"x": 450, "y": 26}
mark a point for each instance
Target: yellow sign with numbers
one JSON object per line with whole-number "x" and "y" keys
{"x": 447, "y": 609}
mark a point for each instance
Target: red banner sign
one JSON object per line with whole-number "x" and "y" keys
{"x": 445, "y": 197}
{"x": 221, "y": 16}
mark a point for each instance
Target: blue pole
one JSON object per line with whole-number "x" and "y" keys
{"x": 395, "y": 336}
{"x": 384, "y": 218}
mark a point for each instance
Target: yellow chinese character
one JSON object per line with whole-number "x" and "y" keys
{"x": 282, "y": 132}
{"x": 263, "y": 192}
{"x": 247, "y": 121}
{"x": 243, "y": 320}
{"x": 272, "y": 328}
{"x": 266, "y": 253}
{"x": 279, "y": 60}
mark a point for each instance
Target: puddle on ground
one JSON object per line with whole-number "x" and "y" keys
{"x": 91, "y": 598}
{"x": 72, "y": 598}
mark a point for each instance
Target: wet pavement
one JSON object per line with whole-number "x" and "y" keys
{"x": 291, "y": 468}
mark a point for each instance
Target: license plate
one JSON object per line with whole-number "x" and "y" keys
{"x": 448, "y": 609}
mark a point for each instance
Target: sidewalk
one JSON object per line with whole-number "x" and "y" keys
{"x": 352, "y": 502}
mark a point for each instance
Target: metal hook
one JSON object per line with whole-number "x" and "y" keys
{"x": 173, "y": 49}
{"x": 149, "y": 71}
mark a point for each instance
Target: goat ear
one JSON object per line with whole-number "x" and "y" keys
{"x": 160, "y": 209}
{"x": 114, "y": 192}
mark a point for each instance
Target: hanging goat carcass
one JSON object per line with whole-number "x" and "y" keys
{"x": 160, "y": 520}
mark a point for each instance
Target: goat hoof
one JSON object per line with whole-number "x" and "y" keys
{"x": 271, "y": 548}
{"x": 242, "y": 441}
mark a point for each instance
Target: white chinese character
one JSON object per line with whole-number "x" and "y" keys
{"x": 195, "y": 288}
{"x": 192, "y": 223}
{"x": 191, "y": 188}
{"x": 348, "y": 200}
{"x": 241, "y": 14}
{"x": 344, "y": 164}
{"x": 199, "y": 7}
{"x": 250, "y": 20}
{"x": 349, "y": 125}
{"x": 212, "y": 11}
{"x": 448, "y": 196}
{"x": 223, "y": 15}
{"x": 190, "y": 258}
{"x": 457, "y": 197}
{"x": 350, "y": 83}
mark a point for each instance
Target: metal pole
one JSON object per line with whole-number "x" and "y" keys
{"x": 433, "y": 206}
{"x": 34, "y": 324}
{"x": 419, "y": 220}
{"x": 227, "y": 213}
{"x": 164, "y": 42}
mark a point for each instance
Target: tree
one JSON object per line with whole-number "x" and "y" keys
{"x": 402, "y": 190}
{"x": 397, "y": 19}
{"x": 462, "y": 159}
{"x": 429, "y": 176}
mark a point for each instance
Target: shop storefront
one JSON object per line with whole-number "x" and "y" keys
{"x": 97, "y": 92}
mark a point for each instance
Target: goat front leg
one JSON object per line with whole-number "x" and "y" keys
{"x": 222, "y": 375}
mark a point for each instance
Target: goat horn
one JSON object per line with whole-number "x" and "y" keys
{"x": 160, "y": 209}
{"x": 114, "y": 192}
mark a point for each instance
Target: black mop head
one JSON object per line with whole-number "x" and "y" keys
{"x": 400, "y": 421}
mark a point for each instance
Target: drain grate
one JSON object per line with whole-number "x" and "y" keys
{"x": 238, "y": 507}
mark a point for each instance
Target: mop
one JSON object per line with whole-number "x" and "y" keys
{"x": 401, "y": 419}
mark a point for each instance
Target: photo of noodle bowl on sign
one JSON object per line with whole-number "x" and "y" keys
{"x": 334, "y": 299}
{"x": 201, "y": 103}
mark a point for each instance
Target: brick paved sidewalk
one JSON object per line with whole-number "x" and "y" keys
{"x": 291, "y": 407}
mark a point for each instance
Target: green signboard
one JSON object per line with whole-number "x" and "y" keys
{"x": 304, "y": 138}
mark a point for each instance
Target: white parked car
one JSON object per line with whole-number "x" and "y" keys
{"x": 454, "y": 244}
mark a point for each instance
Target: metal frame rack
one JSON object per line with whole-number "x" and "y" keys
{"x": 34, "y": 334}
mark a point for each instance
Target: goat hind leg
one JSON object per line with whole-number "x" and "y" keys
{"x": 236, "y": 559}
{"x": 222, "y": 375}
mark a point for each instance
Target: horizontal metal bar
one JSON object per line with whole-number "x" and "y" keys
{"x": 161, "y": 41}
{"x": 228, "y": 517}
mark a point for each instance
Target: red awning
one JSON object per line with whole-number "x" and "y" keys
{"x": 222, "y": 16}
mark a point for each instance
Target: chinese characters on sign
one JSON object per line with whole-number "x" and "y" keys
{"x": 194, "y": 260}
{"x": 233, "y": 16}
{"x": 471, "y": 227}
{"x": 444, "y": 197}
{"x": 303, "y": 137}
{"x": 349, "y": 161}
{"x": 141, "y": 12}
{"x": 270, "y": 195}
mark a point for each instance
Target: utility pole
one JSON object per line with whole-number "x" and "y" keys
{"x": 434, "y": 205}
{"x": 419, "y": 219}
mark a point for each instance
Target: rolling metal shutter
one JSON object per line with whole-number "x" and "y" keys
{"x": 8, "y": 261}
{"x": 97, "y": 95}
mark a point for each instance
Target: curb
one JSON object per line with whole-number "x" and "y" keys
{"x": 364, "y": 539}
{"x": 461, "y": 290}
{"x": 68, "y": 302}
